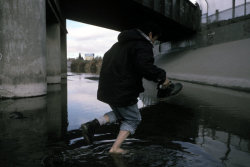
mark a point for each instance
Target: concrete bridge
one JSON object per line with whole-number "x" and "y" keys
{"x": 179, "y": 18}
{"x": 33, "y": 46}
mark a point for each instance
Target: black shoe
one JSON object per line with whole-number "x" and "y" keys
{"x": 88, "y": 130}
{"x": 171, "y": 90}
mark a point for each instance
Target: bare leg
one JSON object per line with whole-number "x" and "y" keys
{"x": 116, "y": 148}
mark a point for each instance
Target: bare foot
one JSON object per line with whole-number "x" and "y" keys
{"x": 118, "y": 151}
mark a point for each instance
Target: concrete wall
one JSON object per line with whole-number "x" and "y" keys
{"x": 225, "y": 31}
{"x": 218, "y": 55}
{"x": 22, "y": 48}
{"x": 225, "y": 65}
{"x": 53, "y": 53}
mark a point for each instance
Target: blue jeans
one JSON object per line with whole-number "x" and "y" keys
{"x": 129, "y": 116}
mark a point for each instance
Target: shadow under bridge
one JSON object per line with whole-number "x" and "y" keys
{"x": 178, "y": 18}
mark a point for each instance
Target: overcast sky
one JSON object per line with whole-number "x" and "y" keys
{"x": 84, "y": 38}
{"x": 218, "y": 4}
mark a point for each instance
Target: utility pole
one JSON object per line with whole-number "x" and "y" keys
{"x": 245, "y": 8}
{"x": 207, "y": 11}
{"x": 233, "y": 14}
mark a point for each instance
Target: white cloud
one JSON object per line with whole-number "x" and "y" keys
{"x": 85, "y": 38}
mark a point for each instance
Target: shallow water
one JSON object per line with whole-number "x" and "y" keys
{"x": 202, "y": 126}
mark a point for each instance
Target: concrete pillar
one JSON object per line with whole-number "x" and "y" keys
{"x": 22, "y": 48}
{"x": 53, "y": 53}
{"x": 63, "y": 55}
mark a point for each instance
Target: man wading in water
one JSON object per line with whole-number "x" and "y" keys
{"x": 124, "y": 65}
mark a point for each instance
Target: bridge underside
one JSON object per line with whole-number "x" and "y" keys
{"x": 36, "y": 51}
{"x": 120, "y": 15}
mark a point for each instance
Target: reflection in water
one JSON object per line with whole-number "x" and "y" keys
{"x": 24, "y": 140}
{"x": 223, "y": 117}
{"x": 202, "y": 126}
{"x": 82, "y": 103}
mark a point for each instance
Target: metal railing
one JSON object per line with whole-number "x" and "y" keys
{"x": 238, "y": 11}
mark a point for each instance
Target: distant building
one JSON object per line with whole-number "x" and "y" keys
{"x": 89, "y": 56}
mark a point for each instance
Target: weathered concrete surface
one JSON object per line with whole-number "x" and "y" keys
{"x": 181, "y": 11}
{"x": 179, "y": 18}
{"x": 63, "y": 55}
{"x": 218, "y": 55}
{"x": 53, "y": 53}
{"x": 22, "y": 48}
{"x": 225, "y": 65}
{"x": 224, "y": 31}
{"x": 215, "y": 33}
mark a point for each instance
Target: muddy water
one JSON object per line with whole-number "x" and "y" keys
{"x": 202, "y": 126}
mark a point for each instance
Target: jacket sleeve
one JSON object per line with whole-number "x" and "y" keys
{"x": 145, "y": 64}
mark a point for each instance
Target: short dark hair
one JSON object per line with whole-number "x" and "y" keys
{"x": 148, "y": 27}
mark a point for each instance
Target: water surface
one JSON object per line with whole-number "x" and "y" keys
{"x": 202, "y": 126}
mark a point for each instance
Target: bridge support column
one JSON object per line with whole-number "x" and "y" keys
{"x": 22, "y": 48}
{"x": 63, "y": 55}
{"x": 53, "y": 53}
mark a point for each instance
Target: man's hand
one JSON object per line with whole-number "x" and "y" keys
{"x": 166, "y": 83}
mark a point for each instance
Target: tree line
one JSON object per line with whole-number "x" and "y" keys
{"x": 87, "y": 66}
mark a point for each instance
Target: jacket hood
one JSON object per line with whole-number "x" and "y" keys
{"x": 131, "y": 35}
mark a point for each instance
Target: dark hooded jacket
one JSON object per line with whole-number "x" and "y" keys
{"x": 124, "y": 65}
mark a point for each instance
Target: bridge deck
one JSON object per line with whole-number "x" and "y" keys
{"x": 120, "y": 15}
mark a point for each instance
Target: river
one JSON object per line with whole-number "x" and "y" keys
{"x": 203, "y": 126}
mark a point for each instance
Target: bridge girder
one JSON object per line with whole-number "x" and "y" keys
{"x": 124, "y": 14}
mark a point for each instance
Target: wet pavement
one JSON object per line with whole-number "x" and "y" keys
{"x": 202, "y": 126}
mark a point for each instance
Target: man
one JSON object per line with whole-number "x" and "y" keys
{"x": 124, "y": 65}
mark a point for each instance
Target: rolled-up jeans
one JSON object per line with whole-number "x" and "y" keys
{"x": 129, "y": 116}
